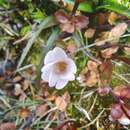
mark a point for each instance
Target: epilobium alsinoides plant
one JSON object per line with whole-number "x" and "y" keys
{"x": 58, "y": 68}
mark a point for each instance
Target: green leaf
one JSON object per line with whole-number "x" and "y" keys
{"x": 114, "y": 5}
{"x": 48, "y": 22}
{"x": 86, "y": 7}
{"x": 83, "y": 6}
{"x": 50, "y": 44}
{"x": 38, "y": 15}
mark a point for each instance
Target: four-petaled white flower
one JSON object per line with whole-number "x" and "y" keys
{"x": 58, "y": 68}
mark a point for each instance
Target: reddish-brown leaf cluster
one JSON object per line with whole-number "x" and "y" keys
{"x": 100, "y": 74}
{"x": 69, "y": 23}
{"x": 120, "y": 111}
{"x": 7, "y": 126}
{"x": 62, "y": 101}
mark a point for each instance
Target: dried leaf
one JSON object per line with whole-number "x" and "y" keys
{"x": 102, "y": 39}
{"x": 127, "y": 50}
{"x": 125, "y": 92}
{"x": 62, "y": 102}
{"x": 7, "y": 126}
{"x": 24, "y": 113}
{"x": 112, "y": 18}
{"x": 89, "y": 33}
{"x": 25, "y": 84}
{"x": 118, "y": 30}
{"x": 51, "y": 98}
{"x": 102, "y": 18}
{"x": 118, "y": 89}
{"x": 91, "y": 79}
{"x": 89, "y": 76}
{"x": 17, "y": 79}
{"x": 92, "y": 65}
{"x": 71, "y": 47}
{"x": 41, "y": 110}
{"x": 106, "y": 69}
{"x": 107, "y": 53}
{"x": 66, "y": 97}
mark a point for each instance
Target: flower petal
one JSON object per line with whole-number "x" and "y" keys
{"x": 81, "y": 21}
{"x": 53, "y": 78}
{"x": 61, "y": 84}
{"x": 55, "y": 55}
{"x": 68, "y": 27}
{"x": 49, "y": 57}
{"x": 71, "y": 66}
{"x": 61, "y": 16}
{"x": 69, "y": 77}
{"x": 124, "y": 121}
{"x": 46, "y": 70}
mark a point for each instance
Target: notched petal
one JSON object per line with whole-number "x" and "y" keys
{"x": 61, "y": 16}
{"x": 68, "y": 27}
{"x": 81, "y": 21}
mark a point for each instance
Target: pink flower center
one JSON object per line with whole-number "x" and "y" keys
{"x": 60, "y": 67}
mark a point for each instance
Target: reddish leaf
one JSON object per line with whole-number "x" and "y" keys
{"x": 68, "y": 27}
{"x": 41, "y": 109}
{"x": 61, "y": 16}
{"x": 127, "y": 50}
{"x": 125, "y": 93}
{"x": 116, "y": 111}
{"x": 106, "y": 69}
{"x": 62, "y": 102}
{"x": 107, "y": 53}
{"x": 81, "y": 21}
{"x": 89, "y": 33}
{"x": 112, "y": 18}
{"x": 118, "y": 30}
{"x": 7, "y": 126}
{"x": 126, "y": 110}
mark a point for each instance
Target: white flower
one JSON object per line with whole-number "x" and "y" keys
{"x": 58, "y": 68}
{"x": 124, "y": 120}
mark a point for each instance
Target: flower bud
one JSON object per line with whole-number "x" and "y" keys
{"x": 116, "y": 111}
{"x": 103, "y": 91}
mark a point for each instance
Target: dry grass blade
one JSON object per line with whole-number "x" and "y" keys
{"x": 45, "y": 24}
{"x": 93, "y": 121}
{"x": 83, "y": 111}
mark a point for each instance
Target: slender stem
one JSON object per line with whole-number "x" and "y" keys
{"x": 76, "y": 4}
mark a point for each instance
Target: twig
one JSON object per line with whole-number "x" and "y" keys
{"x": 93, "y": 121}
